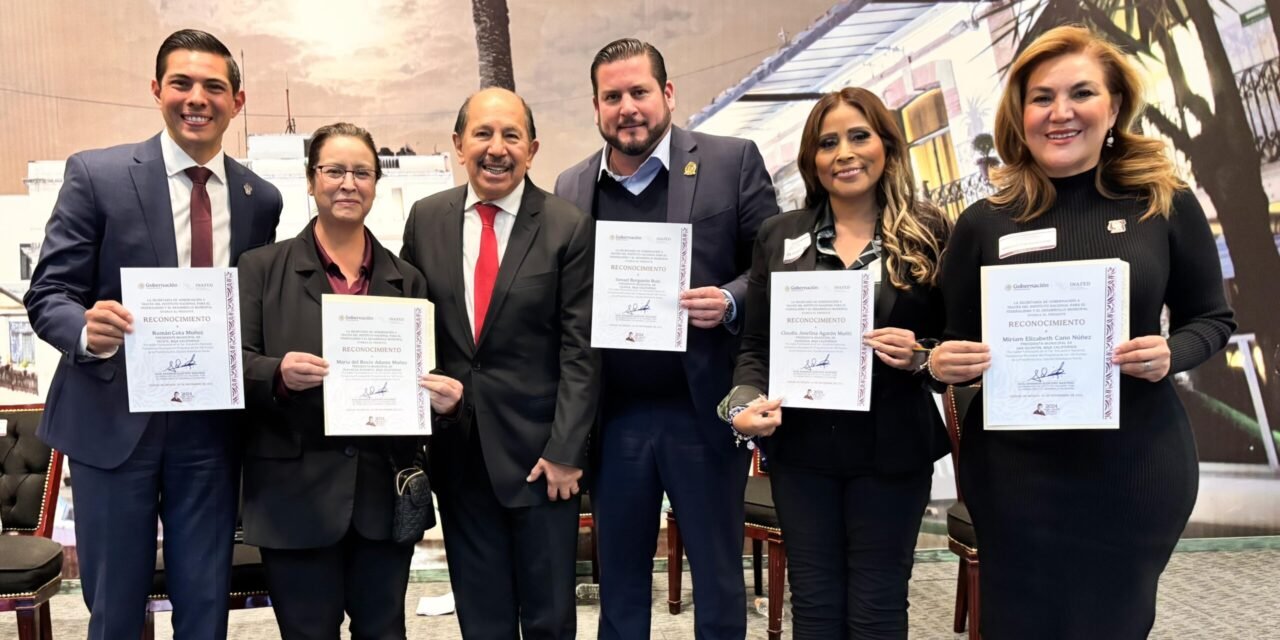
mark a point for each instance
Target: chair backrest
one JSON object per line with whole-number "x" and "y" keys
{"x": 759, "y": 462}
{"x": 955, "y": 406}
{"x": 30, "y": 474}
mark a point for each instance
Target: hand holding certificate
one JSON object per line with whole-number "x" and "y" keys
{"x": 184, "y": 352}
{"x": 640, "y": 270}
{"x": 817, "y": 358}
{"x": 377, "y": 348}
{"x": 1052, "y": 329}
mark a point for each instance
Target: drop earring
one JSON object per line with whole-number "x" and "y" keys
{"x": 1111, "y": 138}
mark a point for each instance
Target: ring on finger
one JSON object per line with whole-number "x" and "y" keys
{"x": 1146, "y": 366}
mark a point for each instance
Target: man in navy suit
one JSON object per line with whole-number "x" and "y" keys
{"x": 659, "y": 431}
{"x": 174, "y": 200}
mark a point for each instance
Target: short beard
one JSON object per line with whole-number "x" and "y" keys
{"x": 639, "y": 148}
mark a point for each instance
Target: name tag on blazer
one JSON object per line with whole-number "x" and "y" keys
{"x": 793, "y": 248}
{"x": 1028, "y": 241}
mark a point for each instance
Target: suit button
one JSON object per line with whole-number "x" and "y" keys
{"x": 475, "y": 366}
{"x": 350, "y": 451}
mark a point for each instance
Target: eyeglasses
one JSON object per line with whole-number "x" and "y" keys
{"x": 336, "y": 174}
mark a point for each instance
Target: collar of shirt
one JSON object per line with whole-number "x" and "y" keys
{"x": 640, "y": 180}
{"x": 824, "y": 234}
{"x": 333, "y": 270}
{"x": 509, "y": 203}
{"x": 176, "y": 160}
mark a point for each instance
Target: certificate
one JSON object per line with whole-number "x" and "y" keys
{"x": 816, "y": 356}
{"x": 377, "y": 348}
{"x": 640, "y": 270}
{"x": 184, "y": 352}
{"x": 1052, "y": 328}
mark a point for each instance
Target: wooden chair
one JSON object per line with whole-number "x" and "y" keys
{"x": 586, "y": 518}
{"x": 761, "y": 528}
{"x": 30, "y": 561}
{"x": 248, "y": 585}
{"x": 960, "y": 535}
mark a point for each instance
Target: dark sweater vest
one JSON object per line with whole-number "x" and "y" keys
{"x": 638, "y": 376}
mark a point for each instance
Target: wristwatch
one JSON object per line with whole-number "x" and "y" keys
{"x": 730, "y": 309}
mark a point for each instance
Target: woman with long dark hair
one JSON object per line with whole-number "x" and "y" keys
{"x": 850, "y": 486}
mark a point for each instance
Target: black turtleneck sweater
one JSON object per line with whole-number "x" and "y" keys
{"x": 1076, "y": 526}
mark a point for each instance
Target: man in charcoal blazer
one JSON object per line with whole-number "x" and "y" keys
{"x": 508, "y": 268}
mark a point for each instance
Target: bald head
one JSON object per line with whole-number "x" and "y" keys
{"x": 460, "y": 124}
{"x": 494, "y": 140}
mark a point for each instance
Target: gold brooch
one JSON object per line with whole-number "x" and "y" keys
{"x": 691, "y": 169}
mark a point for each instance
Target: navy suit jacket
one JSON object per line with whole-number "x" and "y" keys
{"x": 720, "y": 186}
{"x": 113, "y": 211}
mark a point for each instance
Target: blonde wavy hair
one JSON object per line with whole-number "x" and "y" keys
{"x": 1134, "y": 164}
{"x": 912, "y": 230}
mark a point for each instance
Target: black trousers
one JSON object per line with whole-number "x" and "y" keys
{"x": 511, "y": 568}
{"x": 850, "y": 547}
{"x": 312, "y": 588}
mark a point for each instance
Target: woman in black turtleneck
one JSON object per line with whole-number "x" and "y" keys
{"x": 1075, "y": 527}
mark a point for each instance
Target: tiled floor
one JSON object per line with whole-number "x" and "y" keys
{"x": 1203, "y": 595}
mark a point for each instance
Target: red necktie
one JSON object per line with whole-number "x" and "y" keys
{"x": 486, "y": 265}
{"x": 201, "y": 218}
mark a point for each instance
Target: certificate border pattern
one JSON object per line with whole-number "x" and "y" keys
{"x": 1109, "y": 345}
{"x": 417, "y": 364}
{"x": 233, "y": 333}
{"x": 681, "y": 314}
{"x": 863, "y": 352}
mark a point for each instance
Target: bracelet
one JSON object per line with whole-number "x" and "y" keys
{"x": 928, "y": 366}
{"x": 738, "y": 436}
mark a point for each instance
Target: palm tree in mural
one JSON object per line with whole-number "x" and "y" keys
{"x": 1212, "y": 131}
{"x": 493, "y": 42}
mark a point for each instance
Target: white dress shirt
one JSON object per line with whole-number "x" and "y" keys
{"x": 176, "y": 162}
{"x": 508, "y": 206}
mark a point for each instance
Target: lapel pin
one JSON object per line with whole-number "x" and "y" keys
{"x": 248, "y": 189}
{"x": 691, "y": 169}
{"x": 1116, "y": 226}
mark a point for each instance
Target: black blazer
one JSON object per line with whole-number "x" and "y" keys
{"x": 530, "y": 386}
{"x": 301, "y": 489}
{"x": 909, "y": 433}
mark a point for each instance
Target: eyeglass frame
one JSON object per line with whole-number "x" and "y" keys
{"x": 322, "y": 169}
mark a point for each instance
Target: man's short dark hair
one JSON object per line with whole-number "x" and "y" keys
{"x": 625, "y": 49}
{"x": 460, "y": 124}
{"x": 195, "y": 40}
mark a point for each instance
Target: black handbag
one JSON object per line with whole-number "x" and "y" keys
{"x": 413, "y": 513}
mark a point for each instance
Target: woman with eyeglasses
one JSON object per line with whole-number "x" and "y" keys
{"x": 320, "y": 508}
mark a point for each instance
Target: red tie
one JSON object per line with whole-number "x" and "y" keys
{"x": 201, "y": 218}
{"x": 486, "y": 265}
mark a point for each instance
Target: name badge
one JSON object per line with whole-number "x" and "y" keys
{"x": 793, "y": 248}
{"x": 1028, "y": 241}
{"x": 874, "y": 269}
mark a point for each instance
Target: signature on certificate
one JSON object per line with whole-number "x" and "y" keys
{"x": 1042, "y": 373}
{"x": 175, "y": 365}
{"x": 636, "y": 307}
{"x": 814, "y": 363}
{"x": 373, "y": 391}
